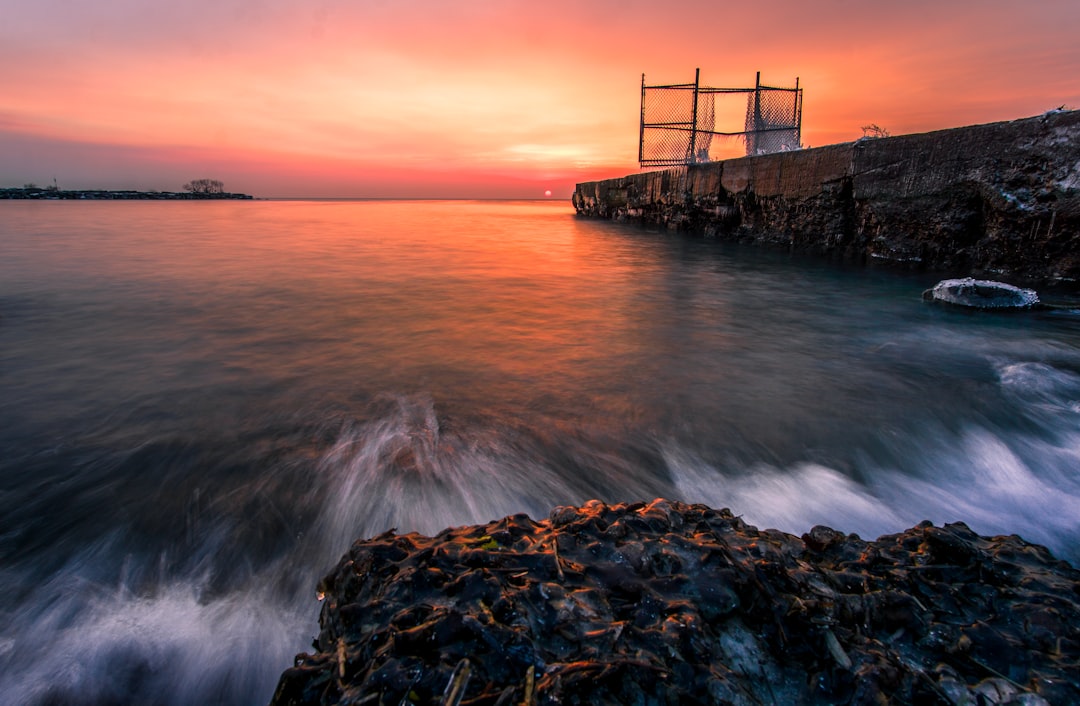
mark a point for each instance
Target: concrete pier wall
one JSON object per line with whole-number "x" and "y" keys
{"x": 999, "y": 200}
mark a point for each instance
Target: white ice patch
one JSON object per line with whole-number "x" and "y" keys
{"x": 1071, "y": 180}
{"x": 1012, "y": 199}
{"x": 981, "y": 294}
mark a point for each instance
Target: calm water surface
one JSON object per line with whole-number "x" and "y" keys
{"x": 203, "y": 404}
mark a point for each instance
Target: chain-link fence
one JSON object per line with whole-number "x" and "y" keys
{"x": 679, "y": 121}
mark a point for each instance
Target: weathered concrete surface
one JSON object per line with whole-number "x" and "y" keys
{"x": 1001, "y": 199}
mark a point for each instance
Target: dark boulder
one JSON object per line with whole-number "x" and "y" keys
{"x": 666, "y": 603}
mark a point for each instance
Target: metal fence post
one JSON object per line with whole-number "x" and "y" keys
{"x": 691, "y": 156}
{"x": 641, "y": 135}
{"x": 757, "y": 114}
{"x": 797, "y": 120}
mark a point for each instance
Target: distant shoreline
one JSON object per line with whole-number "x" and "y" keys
{"x": 53, "y": 194}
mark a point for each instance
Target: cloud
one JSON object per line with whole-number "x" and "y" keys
{"x": 484, "y": 87}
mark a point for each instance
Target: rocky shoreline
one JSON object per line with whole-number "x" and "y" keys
{"x": 52, "y": 194}
{"x": 665, "y": 603}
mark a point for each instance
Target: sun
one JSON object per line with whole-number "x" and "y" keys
{"x": 547, "y": 193}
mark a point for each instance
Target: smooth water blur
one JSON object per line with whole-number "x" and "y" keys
{"x": 202, "y": 404}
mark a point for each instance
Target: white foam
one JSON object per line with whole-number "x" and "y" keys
{"x": 792, "y": 500}
{"x": 185, "y": 651}
{"x": 996, "y": 483}
{"x": 998, "y": 488}
{"x": 976, "y": 478}
{"x": 84, "y": 642}
{"x": 1040, "y": 383}
{"x": 401, "y": 471}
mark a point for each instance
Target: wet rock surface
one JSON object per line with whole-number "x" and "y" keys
{"x": 666, "y": 603}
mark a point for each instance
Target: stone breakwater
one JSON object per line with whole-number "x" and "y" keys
{"x": 1000, "y": 200}
{"x": 665, "y": 603}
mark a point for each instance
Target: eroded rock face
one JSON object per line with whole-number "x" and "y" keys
{"x": 666, "y": 603}
{"x": 981, "y": 294}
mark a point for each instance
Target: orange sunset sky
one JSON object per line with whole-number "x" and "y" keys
{"x": 475, "y": 98}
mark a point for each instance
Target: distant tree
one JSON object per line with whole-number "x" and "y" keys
{"x": 205, "y": 186}
{"x": 874, "y": 130}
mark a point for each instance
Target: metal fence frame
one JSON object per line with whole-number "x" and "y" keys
{"x": 756, "y": 130}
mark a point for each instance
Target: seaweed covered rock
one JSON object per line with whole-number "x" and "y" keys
{"x": 667, "y": 603}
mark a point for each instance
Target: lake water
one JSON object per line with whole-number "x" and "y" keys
{"x": 202, "y": 404}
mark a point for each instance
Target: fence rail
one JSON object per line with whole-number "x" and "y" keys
{"x": 679, "y": 121}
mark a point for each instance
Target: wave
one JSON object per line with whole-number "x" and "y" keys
{"x": 79, "y": 642}
{"x": 997, "y": 481}
{"x": 207, "y": 632}
{"x": 404, "y": 471}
